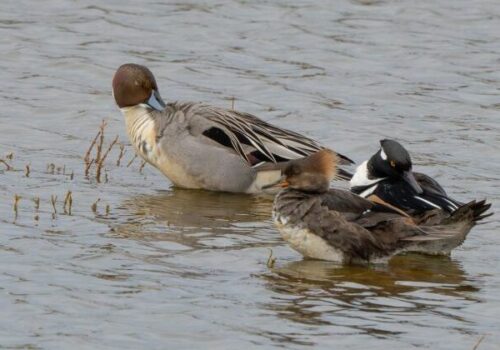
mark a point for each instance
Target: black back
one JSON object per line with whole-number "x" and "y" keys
{"x": 401, "y": 195}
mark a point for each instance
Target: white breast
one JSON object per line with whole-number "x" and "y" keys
{"x": 307, "y": 243}
{"x": 143, "y": 135}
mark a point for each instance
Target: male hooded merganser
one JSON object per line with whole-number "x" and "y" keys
{"x": 340, "y": 226}
{"x": 387, "y": 177}
{"x": 200, "y": 146}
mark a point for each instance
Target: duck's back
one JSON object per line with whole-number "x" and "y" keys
{"x": 343, "y": 227}
{"x": 401, "y": 195}
{"x": 351, "y": 226}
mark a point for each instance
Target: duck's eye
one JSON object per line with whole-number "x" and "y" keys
{"x": 393, "y": 163}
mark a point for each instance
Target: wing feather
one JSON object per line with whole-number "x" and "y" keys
{"x": 274, "y": 143}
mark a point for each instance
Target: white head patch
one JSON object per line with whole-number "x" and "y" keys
{"x": 360, "y": 177}
{"x": 382, "y": 154}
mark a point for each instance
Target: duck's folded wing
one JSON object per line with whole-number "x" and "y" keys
{"x": 402, "y": 196}
{"x": 429, "y": 184}
{"x": 345, "y": 202}
{"x": 349, "y": 202}
{"x": 435, "y": 193}
{"x": 452, "y": 230}
{"x": 255, "y": 140}
{"x": 359, "y": 242}
{"x": 377, "y": 234}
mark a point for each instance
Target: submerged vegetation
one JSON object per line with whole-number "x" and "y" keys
{"x": 95, "y": 170}
{"x": 100, "y": 156}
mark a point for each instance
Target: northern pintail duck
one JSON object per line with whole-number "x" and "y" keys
{"x": 340, "y": 226}
{"x": 200, "y": 146}
{"x": 388, "y": 177}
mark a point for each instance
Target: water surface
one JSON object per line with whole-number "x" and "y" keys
{"x": 154, "y": 267}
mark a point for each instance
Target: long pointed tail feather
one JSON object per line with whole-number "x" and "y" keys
{"x": 343, "y": 174}
{"x": 445, "y": 236}
{"x": 480, "y": 208}
{"x": 474, "y": 211}
{"x": 345, "y": 160}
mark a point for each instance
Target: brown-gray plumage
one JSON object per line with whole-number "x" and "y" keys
{"x": 338, "y": 225}
{"x": 201, "y": 146}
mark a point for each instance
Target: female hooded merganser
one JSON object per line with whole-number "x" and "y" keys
{"x": 387, "y": 177}
{"x": 200, "y": 146}
{"x": 340, "y": 226}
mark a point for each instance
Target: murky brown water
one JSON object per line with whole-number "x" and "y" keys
{"x": 168, "y": 268}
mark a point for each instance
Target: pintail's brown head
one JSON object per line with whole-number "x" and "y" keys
{"x": 134, "y": 84}
{"x": 311, "y": 174}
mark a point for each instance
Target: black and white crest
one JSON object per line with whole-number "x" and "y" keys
{"x": 388, "y": 175}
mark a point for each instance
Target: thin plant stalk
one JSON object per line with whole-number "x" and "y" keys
{"x": 17, "y": 198}
{"x": 131, "y": 161}
{"x": 100, "y": 161}
{"x": 9, "y": 167}
{"x": 68, "y": 203}
{"x": 122, "y": 153}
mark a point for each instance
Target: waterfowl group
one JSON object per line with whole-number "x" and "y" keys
{"x": 341, "y": 226}
{"x": 388, "y": 210}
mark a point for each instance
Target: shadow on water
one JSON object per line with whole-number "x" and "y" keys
{"x": 317, "y": 292}
{"x": 185, "y": 216}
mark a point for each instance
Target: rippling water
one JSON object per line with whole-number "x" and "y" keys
{"x": 153, "y": 267}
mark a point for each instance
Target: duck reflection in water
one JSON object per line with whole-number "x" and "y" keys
{"x": 319, "y": 292}
{"x": 191, "y": 216}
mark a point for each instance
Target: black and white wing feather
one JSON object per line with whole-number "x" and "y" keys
{"x": 269, "y": 143}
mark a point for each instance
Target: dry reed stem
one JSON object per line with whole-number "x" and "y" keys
{"x": 108, "y": 209}
{"x": 37, "y": 207}
{"x": 109, "y": 149}
{"x": 132, "y": 160}
{"x": 271, "y": 260}
{"x": 37, "y": 203}
{"x": 6, "y": 164}
{"x": 142, "y": 166}
{"x": 51, "y": 168}
{"x": 53, "y": 201}
{"x": 17, "y": 198}
{"x": 479, "y": 342}
{"x": 101, "y": 160}
{"x": 10, "y": 156}
{"x": 94, "y": 206}
{"x": 122, "y": 153}
{"x": 87, "y": 167}
{"x": 68, "y": 203}
{"x": 87, "y": 155}
{"x": 27, "y": 172}
{"x": 101, "y": 142}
